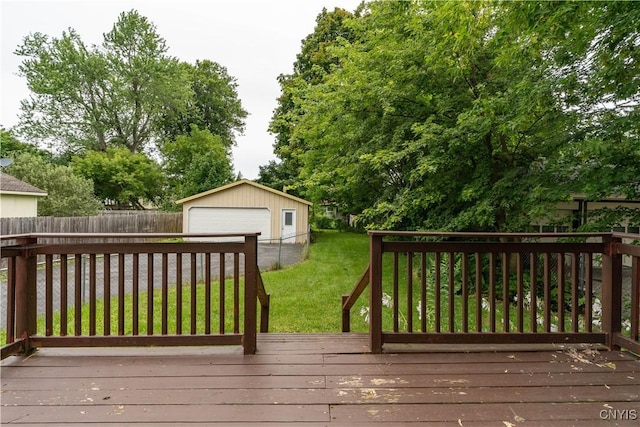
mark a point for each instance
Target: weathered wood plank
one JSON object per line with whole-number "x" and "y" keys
{"x": 516, "y": 413}
{"x": 291, "y": 396}
{"x": 129, "y": 414}
{"x": 236, "y": 367}
{"x": 318, "y": 380}
{"x": 164, "y": 383}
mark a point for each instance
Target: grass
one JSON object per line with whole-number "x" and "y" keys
{"x": 307, "y": 297}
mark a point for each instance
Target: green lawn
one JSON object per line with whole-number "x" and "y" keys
{"x": 307, "y": 297}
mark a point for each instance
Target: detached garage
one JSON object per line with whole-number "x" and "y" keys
{"x": 247, "y": 207}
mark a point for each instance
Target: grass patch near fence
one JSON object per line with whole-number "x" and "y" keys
{"x": 307, "y": 297}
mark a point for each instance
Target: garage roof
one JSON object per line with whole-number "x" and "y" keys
{"x": 238, "y": 183}
{"x": 12, "y": 185}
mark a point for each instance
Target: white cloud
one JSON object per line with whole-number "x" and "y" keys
{"x": 256, "y": 40}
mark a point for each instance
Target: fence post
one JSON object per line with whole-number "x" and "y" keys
{"x": 611, "y": 290}
{"x": 250, "y": 293}
{"x": 375, "y": 295}
{"x": 26, "y": 292}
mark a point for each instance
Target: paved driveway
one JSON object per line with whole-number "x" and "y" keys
{"x": 268, "y": 256}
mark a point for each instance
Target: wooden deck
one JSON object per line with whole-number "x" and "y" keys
{"x": 321, "y": 380}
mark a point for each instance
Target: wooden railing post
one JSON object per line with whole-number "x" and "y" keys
{"x": 611, "y": 290}
{"x": 375, "y": 295}
{"x": 250, "y": 293}
{"x": 346, "y": 315}
{"x": 26, "y": 293}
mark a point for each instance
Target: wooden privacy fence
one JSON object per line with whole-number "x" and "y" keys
{"x": 136, "y": 222}
{"x": 471, "y": 288}
{"x": 89, "y": 291}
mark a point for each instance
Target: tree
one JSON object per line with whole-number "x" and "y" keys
{"x": 68, "y": 194}
{"x": 214, "y": 106}
{"x": 316, "y": 59}
{"x": 429, "y": 122}
{"x": 92, "y": 98}
{"x": 195, "y": 163}
{"x": 130, "y": 179}
{"x": 598, "y": 67}
{"x": 10, "y": 146}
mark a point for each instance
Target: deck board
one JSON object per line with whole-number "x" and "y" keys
{"x": 320, "y": 380}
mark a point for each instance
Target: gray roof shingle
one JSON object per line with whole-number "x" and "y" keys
{"x": 9, "y": 183}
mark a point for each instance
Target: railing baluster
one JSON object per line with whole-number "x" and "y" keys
{"x": 236, "y": 293}
{"x": 506, "y": 259}
{"x": 410, "y": 292}
{"x": 423, "y": 291}
{"x": 11, "y": 300}
{"x": 533, "y": 290}
{"x": 465, "y": 292}
{"x": 588, "y": 282}
{"x": 92, "y": 294}
{"x": 107, "y": 294}
{"x": 394, "y": 292}
{"x": 492, "y": 292}
{"x": 77, "y": 301}
{"x": 451, "y": 289}
{"x": 635, "y": 298}
{"x": 561, "y": 280}
{"x": 207, "y": 293}
{"x": 150, "y": 276}
{"x": 48, "y": 261}
{"x": 547, "y": 293}
{"x": 574, "y": 291}
{"x": 121, "y": 293}
{"x": 478, "y": 292}
{"x": 165, "y": 294}
{"x": 437, "y": 285}
{"x": 194, "y": 284}
{"x": 179, "y": 295}
{"x": 135, "y": 312}
{"x": 520, "y": 292}
{"x": 63, "y": 294}
{"x": 222, "y": 291}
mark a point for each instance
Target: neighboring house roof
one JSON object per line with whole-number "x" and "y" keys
{"x": 12, "y": 185}
{"x": 238, "y": 183}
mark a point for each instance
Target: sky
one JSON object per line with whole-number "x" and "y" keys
{"x": 256, "y": 40}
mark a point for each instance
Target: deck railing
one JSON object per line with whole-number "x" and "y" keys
{"x": 75, "y": 290}
{"x": 471, "y": 288}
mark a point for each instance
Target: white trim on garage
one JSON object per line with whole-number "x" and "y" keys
{"x": 204, "y": 219}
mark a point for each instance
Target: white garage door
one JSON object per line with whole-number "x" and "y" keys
{"x": 230, "y": 220}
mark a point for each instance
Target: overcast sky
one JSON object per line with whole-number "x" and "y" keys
{"x": 256, "y": 40}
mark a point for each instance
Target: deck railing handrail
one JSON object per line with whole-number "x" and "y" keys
{"x": 78, "y": 269}
{"x": 524, "y": 288}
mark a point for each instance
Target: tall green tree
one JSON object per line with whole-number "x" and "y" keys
{"x": 315, "y": 60}
{"x": 68, "y": 194}
{"x": 11, "y": 146}
{"x": 598, "y": 67}
{"x": 215, "y": 105}
{"x": 129, "y": 179}
{"x": 195, "y": 163}
{"x": 426, "y": 125}
{"x": 94, "y": 97}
